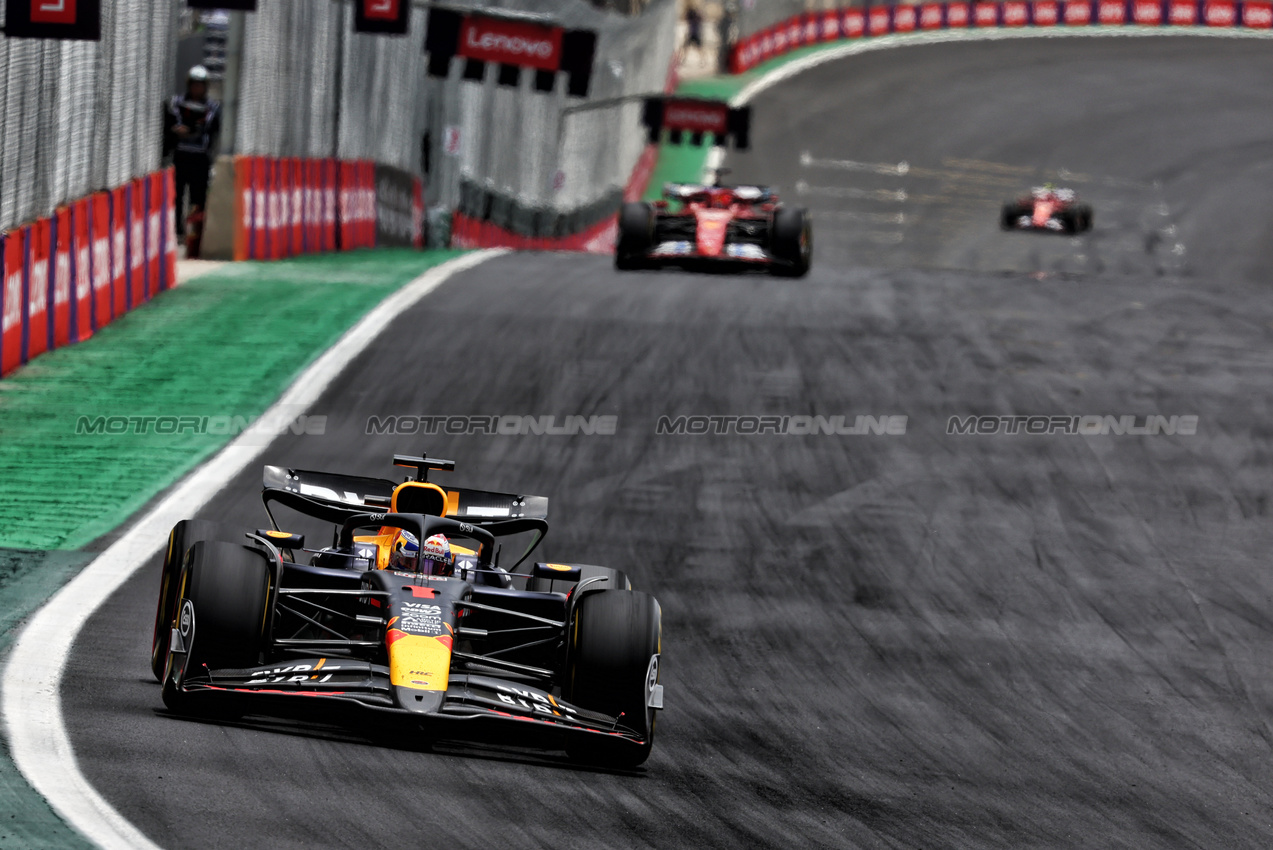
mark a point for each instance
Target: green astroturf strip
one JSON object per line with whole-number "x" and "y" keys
{"x": 26, "y": 581}
{"x": 224, "y": 345}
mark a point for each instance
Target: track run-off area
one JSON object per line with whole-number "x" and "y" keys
{"x": 910, "y": 640}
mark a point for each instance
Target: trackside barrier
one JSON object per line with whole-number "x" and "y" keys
{"x": 288, "y": 206}
{"x": 863, "y": 22}
{"x": 468, "y": 232}
{"x": 71, "y": 274}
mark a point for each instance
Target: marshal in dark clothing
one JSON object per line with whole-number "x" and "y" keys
{"x": 191, "y": 125}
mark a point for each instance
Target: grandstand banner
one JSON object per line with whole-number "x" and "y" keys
{"x": 880, "y": 19}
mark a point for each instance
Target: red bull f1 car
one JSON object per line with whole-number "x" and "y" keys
{"x": 408, "y": 616}
{"x": 698, "y": 225}
{"x": 1048, "y": 210}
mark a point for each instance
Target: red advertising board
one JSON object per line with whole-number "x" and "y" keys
{"x": 1257, "y": 15}
{"x": 830, "y": 26}
{"x": 99, "y": 213}
{"x": 1016, "y": 13}
{"x": 985, "y": 14}
{"x": 1220, "y": 13}
{"x": 39, "y": 237}
{"x": 930, "y": 16}
{"x": 345, "y": 214}
{"x": 878, "y": 19}
{"x": 1147, "y": 12}
{"x": 854, "y": 23}
{"x": 12, "y": 302}
{"x": 1078, "y": 12}
{"x": 905, "y": 19}
{"x": 1111, "y": 11}
{"x": 137, "y": 283}
{"x": 297, "y": 205}
{"x": 1182, "y": 12}
{"x": 958, "y": 14}
{"x": 1046, "y": 13}
{"x": 61, "y": 270}
{"x": 81, "y": 271}
{"x": 274, "y": 208}
{"x": 510, "y": 42}
{"x": 119, "y": 250}
{"x": 154, "y": 214}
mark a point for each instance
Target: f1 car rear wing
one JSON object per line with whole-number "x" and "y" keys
{"x": 350, "y": 494}
{"x": 335, "y": 498}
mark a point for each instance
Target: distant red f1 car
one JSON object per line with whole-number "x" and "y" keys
{"x": 737, "y": 226}
{"x": 1047, "y": 209}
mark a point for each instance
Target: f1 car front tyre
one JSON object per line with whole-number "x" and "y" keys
{"x": 1012, "y": 214}
{"x": 614, "y": 664}
{"x": 792, "y": 242}
{"x": 636, "y": 235}
{"x": 227, "y": 587}
{"x": 183, "y": 535}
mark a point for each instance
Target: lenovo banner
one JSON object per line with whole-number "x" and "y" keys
{"x": 697, "y": 117}
{"x": 512, "y": 45}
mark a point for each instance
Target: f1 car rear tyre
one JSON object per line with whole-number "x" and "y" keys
{"x": 636, "y": 235}
{"x": 227, "y": 586}
{"x": 1084, "y": 218}
{"x": 791, "y": 242}
{"x": 614, "y": 663}
{"x": 183, "y": 535}
{"x": 1077, "y": 219}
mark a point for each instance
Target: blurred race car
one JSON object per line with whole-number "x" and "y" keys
{"x": 1048, "y": 209}
{"x": 408, "y": 616}
{"x": 737, "y": 225}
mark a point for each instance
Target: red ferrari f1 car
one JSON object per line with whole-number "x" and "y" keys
{"x": 1047, "y": 209}
{"x": 742, "y": 226}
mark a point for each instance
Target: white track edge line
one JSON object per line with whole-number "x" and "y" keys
{"x": 32, "y": 706}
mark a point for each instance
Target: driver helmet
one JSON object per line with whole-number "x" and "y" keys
{"x": 436, "y": 557}
{"x": 405, "y": 553}
{"x": 197, "y": 74}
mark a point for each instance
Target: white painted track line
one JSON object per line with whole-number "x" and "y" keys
{"x": 32, "y": 707}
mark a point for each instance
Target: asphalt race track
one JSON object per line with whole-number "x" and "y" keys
{"x": 918, "y": 640}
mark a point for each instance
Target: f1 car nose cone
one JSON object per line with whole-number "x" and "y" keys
{"x": 420, "y": 702}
